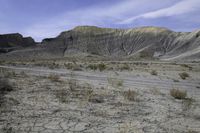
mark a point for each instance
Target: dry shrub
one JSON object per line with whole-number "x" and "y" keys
{"x": 54, "y": 78}
{"x": 96, "y": 98}
{"x": 101, "y": 67}
{"x": 130, "y": 95}
{"x": 125, "y": 67}
{"x": 154, "y": 72}
{"x": 5, "y": 87}
{"x": 186, "y": 66}
{"x": 178, "y": 94}
{"x": 53, "y": 65}
{"x": 184, "y": 75}
{"x": 73, "y": 66}
{"x": 92, "y": 66}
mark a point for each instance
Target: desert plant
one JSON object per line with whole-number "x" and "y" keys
{"x": 53, "y": 65}
{"x": 184, "y": 75}
{"x": 186, "y": 66}
{"x": 96, "y": 99}
{"x": 125, "y": 67}
{"x": 178, "y": 94}
{"x": 154, "y": 72}
{"x": 92, "y": 66}
{"x": 176, "y": 80}
{"x": 69, "y": 65}
{"x": 101, "y": 66}
{"x": 130, "y": 95}
{"x": 54, "y": 78}
{"x": 5, "y": 86}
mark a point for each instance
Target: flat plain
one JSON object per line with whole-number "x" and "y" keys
{"x": 62, "y": 96}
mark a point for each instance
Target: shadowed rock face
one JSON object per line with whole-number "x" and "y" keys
{"x": 9, "y": 42}
{"x": 145, "y": 42}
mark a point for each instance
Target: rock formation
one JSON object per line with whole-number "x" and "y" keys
{"x": 144, "y": 42}
{"x": 9, "y": 42}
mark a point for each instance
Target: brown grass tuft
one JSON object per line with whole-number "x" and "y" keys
{"x": 54, "y": 78}
{"x": 130, "y": 95}
{"x": 154, "y": 72}
{"x": 178, "y": 94}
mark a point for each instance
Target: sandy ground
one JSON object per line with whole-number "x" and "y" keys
{"x": 63, "y": 101}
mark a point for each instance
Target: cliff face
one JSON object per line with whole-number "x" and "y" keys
{"x": 9, "y": 42}
{"x": 145, "y": 42}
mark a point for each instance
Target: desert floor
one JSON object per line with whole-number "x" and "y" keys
{"x": 100, "y": 96}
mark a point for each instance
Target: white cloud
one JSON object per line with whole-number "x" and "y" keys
{"x": 182, "y": 7}
{"x": 96, "y": 15}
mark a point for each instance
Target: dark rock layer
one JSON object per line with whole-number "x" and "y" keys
{"x": 9, "y": 42}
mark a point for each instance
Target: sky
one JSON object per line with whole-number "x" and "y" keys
{"x": 47, "y": 18}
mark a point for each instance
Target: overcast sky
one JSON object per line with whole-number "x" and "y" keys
{"x": 47, "y": 18}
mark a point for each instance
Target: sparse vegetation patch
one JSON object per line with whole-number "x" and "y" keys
{"x": 94, "y": 67}
{"x": 130, "y": 95}
{"x": 5, "y": 87}
{"x": 125, "y": 67}
{"x": 178, "y": 94}
{"x": 184, "y": 75}
{"x": 154, "y": 72}
{"x": 54, "y": 78}
{"x": 101, "y": 67}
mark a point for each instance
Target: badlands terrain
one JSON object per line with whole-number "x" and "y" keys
{"x": 99, "y": 80}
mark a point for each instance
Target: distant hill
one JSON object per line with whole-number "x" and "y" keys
{"x": 10, "y": 42}
{"x": 138, "y": 43}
